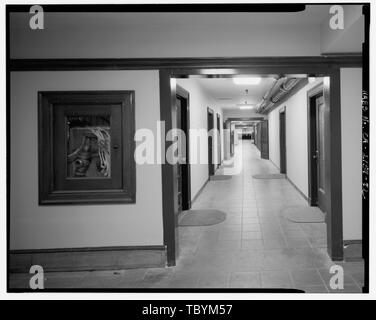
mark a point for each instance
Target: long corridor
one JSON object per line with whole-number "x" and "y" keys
{"x": 255, "y": 247}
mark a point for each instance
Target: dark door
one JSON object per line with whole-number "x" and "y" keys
{"x": 282, "y": 141}
{"x": 258, "y": 136}
{"x": 316, "y": 151}
{"x": 219, "y": 156}
{"x": 264, "y": 139}
{"x": 320, "y": 152}
{"x": 210, "y": 142}
{"x": 183, "y": 167}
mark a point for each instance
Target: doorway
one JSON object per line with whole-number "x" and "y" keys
{"x": 282, "y": 141}
{"x": 211, "y": 164}
{"x": 183, "y": 167}
{"x": 305, "y": 67}
{"x": 232, "y": 139}
{"x": 316, "y": 147}
{"x": 264, "y": 139}
{"x": 219, "y": 148}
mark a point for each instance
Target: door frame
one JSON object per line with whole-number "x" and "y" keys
{"x": 231, "y": 119}
{"x": 284, "y": 151}
{"x": 306, "y": 66}
{"x": 186, "y": 205}
{"x": 219, "y": 137}
{"x": 210, "y": 112}
{"x": 311, "y": 138}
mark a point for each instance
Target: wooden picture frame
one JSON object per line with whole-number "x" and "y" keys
{"x": 86, "y": 147}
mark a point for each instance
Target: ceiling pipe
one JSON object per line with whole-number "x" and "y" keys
{"x": 281, "y": 87}
{"x": 268, "y": 94}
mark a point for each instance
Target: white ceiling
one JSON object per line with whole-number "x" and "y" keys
{"x": 228, "y": 94}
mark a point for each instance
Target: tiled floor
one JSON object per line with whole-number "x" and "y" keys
{"x": 255, "y": 247}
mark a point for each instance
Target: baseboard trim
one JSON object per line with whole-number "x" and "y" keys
{"x": 297, "y": 189}
{"x": 88, "y": 259}
{"x": 199, "y": 191}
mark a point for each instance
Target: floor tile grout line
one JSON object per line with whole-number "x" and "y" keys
{"x": 322, "y": 279}
{"x": 356, "y": 282}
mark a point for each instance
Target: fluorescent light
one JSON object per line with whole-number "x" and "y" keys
{"x": 246, "y": 107}
{"x": 217, "y": 71}
{"x": 246, "y": 81}
{"x": 311, "y": 79}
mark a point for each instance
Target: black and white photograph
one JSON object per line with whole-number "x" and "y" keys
{"x": 180, "y": 147}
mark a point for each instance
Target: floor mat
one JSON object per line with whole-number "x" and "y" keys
{"x": 201, "y": 217}
{"x": 227, "y": 165}
{"x": 269, "y": 176}
{"x": 302, "y": 214}
{"x": 220, "y": 177}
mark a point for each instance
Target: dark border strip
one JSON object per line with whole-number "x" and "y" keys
{"x": 163, "y": 290}
{"x": 365, "y": 147}
{"x": 8, "y": 148}
{"x": 166, "y": 63}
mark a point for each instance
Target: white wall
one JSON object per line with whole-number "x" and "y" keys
{"x": 199, "y": 101}
{"x": 142, "y": 35}
{"x": 274, "y": 147}
{"x": 351, "y": 129}
{"x": 145, "y": 35}
{"x": 36, "y": 227}
{"x": 296, "y": 137}
{"x": 346, "y": 40}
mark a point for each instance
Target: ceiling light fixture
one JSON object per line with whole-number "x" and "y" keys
{"x": 242, "y": 81}
{"x": 311, "y": 79}
{"x": 245, "y": 105}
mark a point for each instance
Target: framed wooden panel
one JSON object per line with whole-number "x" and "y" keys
{"x": 86, "y": 147}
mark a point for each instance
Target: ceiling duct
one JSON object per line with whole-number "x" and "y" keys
{"x": 280, "y": 89}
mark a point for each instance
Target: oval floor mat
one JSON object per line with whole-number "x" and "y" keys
{"x": 202, "y": 217}
{"x": 220, "y": 177}
{"x": 302, "y": 214}
{"x": 269, "y": 176}
{"x": 227, "y": 165}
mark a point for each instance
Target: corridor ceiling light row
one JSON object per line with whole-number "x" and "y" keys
{"x": 246, "y": 107}
{"x": 246, "y": 80}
